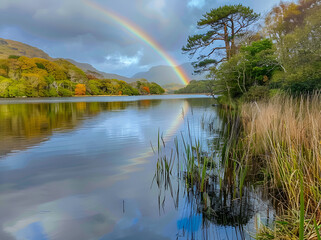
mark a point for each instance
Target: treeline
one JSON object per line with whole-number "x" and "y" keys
{"x": 201, "y": 86}
{"x": 21, "y": 76}
{"x": 144, "y": 87}
{"x": 284, "y": 55}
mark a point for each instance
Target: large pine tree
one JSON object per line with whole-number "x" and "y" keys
{"x": 222, "y": 25}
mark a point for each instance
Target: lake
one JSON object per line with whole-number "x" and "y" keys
{"x": 83, "y": 168}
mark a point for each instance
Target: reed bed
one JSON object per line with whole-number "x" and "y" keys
{"x": 275, "y": 143}
{"x": 284, "y": 136}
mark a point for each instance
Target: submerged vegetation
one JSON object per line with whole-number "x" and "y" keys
{"x": 21, "y": 76}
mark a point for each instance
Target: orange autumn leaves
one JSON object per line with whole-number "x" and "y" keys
{"x": 80, "y": 89}
{"x": 146, "y": 89}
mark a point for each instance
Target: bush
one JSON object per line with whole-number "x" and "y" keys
{"x": 52, "y": 92}
{"x": 63, "y": 92}
{"x": 298, "y": 88}
{"x": 256, "y": 93}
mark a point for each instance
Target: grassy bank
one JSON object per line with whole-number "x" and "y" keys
{"x": 283, "y": 136}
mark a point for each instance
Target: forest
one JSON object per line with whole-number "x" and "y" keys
{"x": 22, "y": 76}
{"x": 250, "y": 57}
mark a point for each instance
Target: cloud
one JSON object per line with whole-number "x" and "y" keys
{"x": 125, "y": 64}
{"x": 157, "y": 6}
{"x": 120, "y": 61}
{"x": 196, "y": 3}
{"x": 73, "y": 29}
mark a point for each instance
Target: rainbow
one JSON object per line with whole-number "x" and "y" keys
{"x": 167, "y": 136}
{"x": 140, "y": 33}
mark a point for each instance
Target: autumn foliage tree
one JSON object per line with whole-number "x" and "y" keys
{"x": 146, "y": 89}
{"x": 80, "y": 89}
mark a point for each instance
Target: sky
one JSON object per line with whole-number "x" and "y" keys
{"x": 74, "y": 29}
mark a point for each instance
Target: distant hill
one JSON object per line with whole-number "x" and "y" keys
{"x": 90, "y": 69}
{"x": 21, "y": 76}
{"x": 164, "y": 75}
{"x": 10, "y": 47}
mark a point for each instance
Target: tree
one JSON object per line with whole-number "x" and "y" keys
{"x": 224, "y": 24}
{"x": 254, "y": 65}
{"x": 146, "y": 89}
{"x": 80, "y": 89}
{"x": 155, "y": 88}
{"x": 301, "y": 58}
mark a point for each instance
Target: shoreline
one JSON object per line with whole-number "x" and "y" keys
{"x": 97, "y": 98}
{"x": 78, "y": 96}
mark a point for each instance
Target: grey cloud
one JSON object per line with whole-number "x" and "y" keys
{"x": 73, "y": 29}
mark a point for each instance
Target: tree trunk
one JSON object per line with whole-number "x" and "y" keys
{"x": 227, "y": 42}
{"x": 233, "y": 48}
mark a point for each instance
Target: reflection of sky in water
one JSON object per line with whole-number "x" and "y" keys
{"x": 191, "y": 224}
{"x": 33, "y": 231}
{"x": 94, "y": 182}
{"x": 76, "y": 181}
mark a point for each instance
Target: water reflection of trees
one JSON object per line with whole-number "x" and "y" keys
{"x": 24, "y": 125}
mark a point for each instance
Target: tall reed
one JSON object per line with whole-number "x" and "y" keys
{"x": 284, "y": 135}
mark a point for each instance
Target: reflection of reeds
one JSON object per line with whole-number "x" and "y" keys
{"x": 276, "y": 144}
{"x": 163, "y": 173}
{"x": 213, "y": 186}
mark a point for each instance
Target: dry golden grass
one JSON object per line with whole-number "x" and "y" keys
{"x": 285, "y": 133}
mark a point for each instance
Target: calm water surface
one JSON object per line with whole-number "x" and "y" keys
{"x": 83, "y": 168}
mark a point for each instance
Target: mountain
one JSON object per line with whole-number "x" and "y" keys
{"x": 89, "y": 69}
{"x": 164, "y": 75}
{"x": 10, "y": 47}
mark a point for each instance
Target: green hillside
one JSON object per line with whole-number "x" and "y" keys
{"x": 38, "y": 77}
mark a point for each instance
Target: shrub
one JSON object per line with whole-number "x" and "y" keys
{"x": 52, "y": 92}
{"x": 303, "y": 87}
{"x": 256, "y": 93}
{"x": 63, "y": 92}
